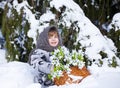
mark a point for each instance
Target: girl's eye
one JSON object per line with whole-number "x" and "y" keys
{"x": 50, "y": 36}
{"x": 56, "y": 36}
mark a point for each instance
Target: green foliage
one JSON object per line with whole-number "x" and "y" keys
{"x": 18, "y": 44}
{"x": 113, "y": 62}
{"x": 87, "y": 61}
{"x": 115, "y": 36}
{"x": 103, "y": 54}
{"x": 100, "y": 63}
{"x": 98, "y": 11}
{"x": 1, "y": 14}
{"x": 69, "y": 36}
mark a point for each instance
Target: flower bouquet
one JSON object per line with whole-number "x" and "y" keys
{"x": 69, "y": 67}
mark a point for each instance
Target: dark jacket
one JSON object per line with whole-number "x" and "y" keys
{"x": 39, "y": 58}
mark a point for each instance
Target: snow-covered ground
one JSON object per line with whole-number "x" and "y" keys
{"x": 21, "y": 75}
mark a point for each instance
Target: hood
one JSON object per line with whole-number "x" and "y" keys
{"x": 42, "y": 41}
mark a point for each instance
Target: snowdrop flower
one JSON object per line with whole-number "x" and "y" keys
{"x": 62, "y": 59}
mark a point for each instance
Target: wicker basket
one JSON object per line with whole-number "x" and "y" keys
{"x": 75, "y": 71}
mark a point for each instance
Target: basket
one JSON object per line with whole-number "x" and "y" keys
{"x": 75, "y": 71}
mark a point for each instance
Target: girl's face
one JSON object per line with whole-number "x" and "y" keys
{"x": 53, "y": 39}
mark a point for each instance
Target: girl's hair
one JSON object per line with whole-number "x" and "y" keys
{"x": 52, "y": 31}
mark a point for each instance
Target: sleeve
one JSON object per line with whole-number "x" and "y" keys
{"x": 37, "y": 59}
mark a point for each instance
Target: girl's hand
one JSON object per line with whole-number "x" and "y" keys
{"x": 52, "y": 68}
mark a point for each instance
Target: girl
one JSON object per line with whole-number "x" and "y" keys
{"x": 39, "y": 59}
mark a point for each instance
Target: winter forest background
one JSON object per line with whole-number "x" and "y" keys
{"x": 22, "y": 21}
{"x": 91, "y": 27}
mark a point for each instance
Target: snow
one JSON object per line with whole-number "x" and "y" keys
{"x": 21, "y": 75}
{"x": 2, "y": 4}
{"x": 91, "y": 38}
{"x": 115, "y": 21}
{"x": 2, "y": 57}
{"x": 15, "y": 74}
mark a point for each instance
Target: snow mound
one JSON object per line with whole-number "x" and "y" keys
{"x": 15, "y": 75}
